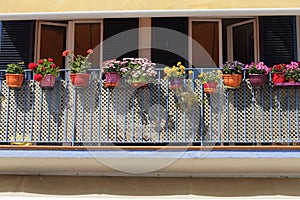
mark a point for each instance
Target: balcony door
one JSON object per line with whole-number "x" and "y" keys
{"x": 242, "y": 41}
{"x": 51, "y": 41}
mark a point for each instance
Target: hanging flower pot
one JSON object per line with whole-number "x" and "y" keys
{"x": 112, "y": 79}
{"x": 258, "y": 80}
{"x": 210, "y": 87}
{"x": 48, "y": 82}
{"x": 278, "y": 78}
{"x": 139, "y": 84}
{"x": 14, "y": 75}
{"x": 232, "y": 80}
{"x": 80, "y": 80}
{"x": 14, "y": 80}
{"x": 176, "y": 83}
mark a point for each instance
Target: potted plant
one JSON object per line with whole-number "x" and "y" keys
{"x": 14, "y": 75}
{"x": 210, "y": 80}
{"x": 176, "y": 75}
{"x": 292, "y": 73}
{"x": 79, "y": 68}
{"x": 45, "y": 72}
{"x": 278, "y": 73}
{"x": 232, "y": 73}
{"x": 138, "y": 71}
{"x": 258, "y": 73}
{"x": 113, "y": 71}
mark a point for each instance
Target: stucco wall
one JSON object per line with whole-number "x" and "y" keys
{"x": 22, "y": 6}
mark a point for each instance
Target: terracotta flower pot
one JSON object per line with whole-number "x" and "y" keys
{"x": 210, "y": 87}
{"x": 14, "y": 80}
{"x": 48, "y": 82}
{"x": 258, "y": 80}
{"x": 232, "y": 80}
{"x": 139, "y": 84}
{"x": 80, "y": 80}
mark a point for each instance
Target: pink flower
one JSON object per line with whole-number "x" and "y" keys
{"x": 38, "y": 77}
{"x": 53, "y": 65}
{"x": 50, "y": 59}
{"x": 41, "y": 61}
{"x": 32, "y": 66}
{"x": 44, "y": 68}
{"x": 66, "y": 52}
{"x": 90, "y": 51}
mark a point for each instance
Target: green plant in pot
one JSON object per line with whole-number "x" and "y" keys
{"x": 14, "y": 75}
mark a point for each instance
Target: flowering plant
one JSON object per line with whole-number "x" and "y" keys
{"x": 138, "y": 69}
{"x": 292, "y": 71}
{"x": 258, "y": 68}
{"x": 232, "y": 67}
{"x": 278, "y": 68}
{"x": 43, "y": 67}
{"x": 211, "y": 76}
{"x": 15, "y": 68}
{"x": 114, "y": 66}
{"x": 177, "y": 71}
{"x": 79, "y": 63}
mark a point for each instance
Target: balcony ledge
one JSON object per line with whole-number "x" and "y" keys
{"x": 152, "y": 161}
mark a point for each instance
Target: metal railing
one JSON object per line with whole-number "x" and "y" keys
{"x": 98, "y": 115}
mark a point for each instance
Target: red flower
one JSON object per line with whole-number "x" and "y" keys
{"x": 50, "y": 59}
{"x": 53, "y": 65}
{"x": 41, "y": 61}
{"x": 38, "y": 77}
{"x": 90, "y": 51}
{"x": 32, "y": 66}
{"x": 44, "y": 68}
{"x": 66, "y": 52}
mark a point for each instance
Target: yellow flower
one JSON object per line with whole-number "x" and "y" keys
{"x": 190, "y": 72}
{"x": 179, "y": 64}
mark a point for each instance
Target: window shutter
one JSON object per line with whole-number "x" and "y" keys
{"x": 17, "y": 42}
{"x": 169, "y": 47}
{"x": 120, "y": 38}
{"x": 278, "y": 39}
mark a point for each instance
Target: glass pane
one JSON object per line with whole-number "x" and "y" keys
{"x": 87, "y": 36}
{"x": 205, "y": 46}
{"x": 243, "y": 43}
{"x": 53, "y": 43}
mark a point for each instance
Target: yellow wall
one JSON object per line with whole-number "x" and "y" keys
{"x": 21, "y": 6}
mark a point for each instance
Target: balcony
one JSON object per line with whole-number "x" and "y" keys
{"x": 99, "y": 116}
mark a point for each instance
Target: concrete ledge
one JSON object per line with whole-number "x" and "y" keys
{"x": 166, "y": 163}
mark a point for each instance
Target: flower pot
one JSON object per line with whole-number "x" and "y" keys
{"x": 232, "y": 80}
{"x": 112, "y": 79}
{"x": 210, "y": 87}
{"x": 47, "y": 82}
{"x": 139, "y": 84}
{"x": 176, "y": 83}
{"x": 80, "y": 80}
{"x": 278, "y": 77}
{"x": 258, "y": 80}
{"x": 14, "y": 80}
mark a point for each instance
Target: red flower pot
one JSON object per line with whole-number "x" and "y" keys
{"x": 80, "y": 80}
{"x": 278, "y": 77}
{"x": 47, "y": 82}
{"x": 210, "y": 87}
